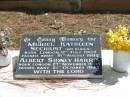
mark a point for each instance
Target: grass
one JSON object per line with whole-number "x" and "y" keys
{"x": 22, "y": 23}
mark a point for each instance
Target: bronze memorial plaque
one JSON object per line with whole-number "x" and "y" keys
{"x": 59, "y": 56}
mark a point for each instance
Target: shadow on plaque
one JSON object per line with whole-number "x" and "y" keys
{"x": 110, "y": 76}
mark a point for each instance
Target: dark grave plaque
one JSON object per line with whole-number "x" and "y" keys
{"x": 59, "y": 56}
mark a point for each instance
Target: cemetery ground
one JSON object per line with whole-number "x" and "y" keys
{"x": 19, "y": 23}
{"x": 23, "y": 22}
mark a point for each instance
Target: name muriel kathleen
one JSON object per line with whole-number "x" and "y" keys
{"x": 61, "y": 44}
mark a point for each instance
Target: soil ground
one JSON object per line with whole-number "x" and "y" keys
{"x": 22, "y": 23}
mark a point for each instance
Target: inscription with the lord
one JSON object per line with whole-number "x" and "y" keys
{"x": 60, "y": 56}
